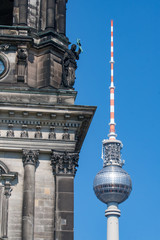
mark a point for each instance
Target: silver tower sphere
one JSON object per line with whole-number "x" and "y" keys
{"x": 112, "y": 183}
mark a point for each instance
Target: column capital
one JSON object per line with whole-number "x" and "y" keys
{"x": 64, "y": 162}
{"x": 30, "y": 157}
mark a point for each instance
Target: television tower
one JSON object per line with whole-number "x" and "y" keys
{"x": 112, "y": 185}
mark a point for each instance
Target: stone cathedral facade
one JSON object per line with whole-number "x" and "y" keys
{"x": 41, "y": 129}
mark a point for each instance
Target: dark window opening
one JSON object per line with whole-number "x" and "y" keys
{"x": 6, "y": 12}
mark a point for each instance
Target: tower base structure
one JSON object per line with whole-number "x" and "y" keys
{"x": 112, "y": 213}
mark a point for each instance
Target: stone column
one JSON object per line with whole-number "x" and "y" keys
{"x": 112, "y": 213}
{"x": 30, "y": 159}
{"x": 61, "y": 17}
{"x": 64, "y": 168}
{"x": 50, "y": 16}
{"x": 23, "y": 12}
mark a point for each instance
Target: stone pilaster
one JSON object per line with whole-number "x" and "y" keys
{"x": 23, "y": 11}
{"x": 7, "y": 194}
{"x": 61, "y": 17}
{"x": 64, "y": 168}
{"x": 6, "y": 178}
{"x": 16, "y": 12}
{"x": 30, "y": 159}
{"x": 50, "y": 15}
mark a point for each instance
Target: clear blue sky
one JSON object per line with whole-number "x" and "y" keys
{"x": 137, "y": 110}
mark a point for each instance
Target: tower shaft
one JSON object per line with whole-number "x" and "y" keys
{"x": 112, "y": 213}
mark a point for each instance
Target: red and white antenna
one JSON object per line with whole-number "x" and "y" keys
{"x": 112, "y": 134}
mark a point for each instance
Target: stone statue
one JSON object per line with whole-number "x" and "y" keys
{"x": 70, "y": 65}
{"x": 24, "y": 134}
{"x": 22, "y": 54}
{"x": 22, "y": 57}
{"x": 10, "y": 133}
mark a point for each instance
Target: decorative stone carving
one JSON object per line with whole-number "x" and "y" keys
{"x": 22, "y": 54}
{"x": 7, "y": 189}
{"x": 22, "y": 62}
{"x": 4, "y": 47}
{"x": 24, "y": 133}
{"x": 64, "y": 162}
{"x": 70, "y": 65}
{"x": 59, "y": 100}
{"x": 30, "y": 157}
{"x": 66, "y": 135}
{"x": 52, "y": 134}
{"x": 10, "y": 132}
{"x": 38, "y": 134}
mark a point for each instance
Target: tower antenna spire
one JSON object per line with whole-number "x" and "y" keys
{"x": 112, "y": 134}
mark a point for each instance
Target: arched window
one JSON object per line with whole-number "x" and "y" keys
{"x": 1, "y": 170}
{"x": 6, "y": 12}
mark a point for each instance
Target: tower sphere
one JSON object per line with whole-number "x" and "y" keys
{"x": 112, "y": 184}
